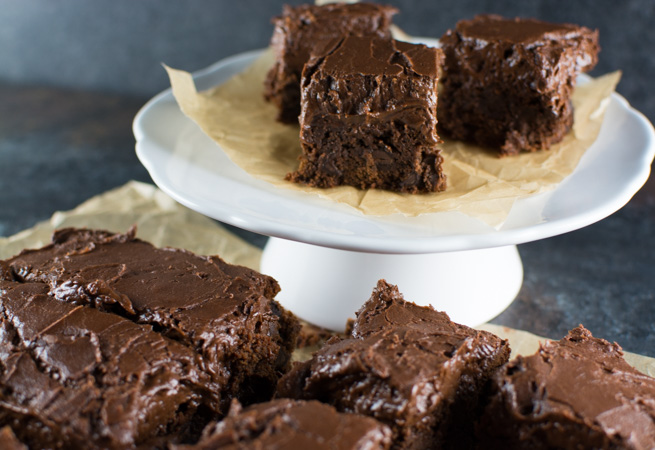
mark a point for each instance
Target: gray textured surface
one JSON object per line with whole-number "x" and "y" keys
{"x": 119, "y": 46}
{"x": 63, "y": 144}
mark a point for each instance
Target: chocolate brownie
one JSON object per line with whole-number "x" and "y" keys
{"x": 299, "y": 28}
{"x": 407, "y": 366}
{"x": 575, "y": 393}
{"x": 369, "y": 116}
{"x": 507, "y": 83}
{"x": 111, "y": 341}
{"x": 293, "y": 424}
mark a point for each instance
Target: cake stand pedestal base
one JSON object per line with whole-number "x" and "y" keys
{"x": 325, "y": 286}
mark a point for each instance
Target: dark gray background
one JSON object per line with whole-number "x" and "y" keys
{"x": 117, "y": 46}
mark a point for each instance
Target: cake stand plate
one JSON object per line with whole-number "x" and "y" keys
{"x": 329, "y": 256}
{"x": 326, "y": 286}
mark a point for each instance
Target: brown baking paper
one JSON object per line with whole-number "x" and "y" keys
{"x": 480, "y": 184}
{"x": 164, "y": 222}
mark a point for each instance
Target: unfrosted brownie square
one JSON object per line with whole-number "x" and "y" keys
{"x": 407, "y": 366}
{"x": 369, "y": 116}
{"x": 507, "y": 83}
{"x": 299, "y": 29}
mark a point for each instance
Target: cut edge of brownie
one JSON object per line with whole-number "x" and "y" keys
{"x": 370, "y": 121}
{"x": 298, "y": 28}
{"x": 485, "y": 94}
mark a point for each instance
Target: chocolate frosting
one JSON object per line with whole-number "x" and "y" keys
{"x": 369, "y": 115}
{"x": 404, "y": 365}
{"x": 493, "y": 28}
{"x": 367, "y": 75}
{"x": 72, "y": 375}
{"x": 111, "y": 340}
{"x": 292, "y": 424}
{"x": 578, "y": 392}
{"x": 300, "y": 28}
{"x": 357, "y": 55}
{"x": 507, "y": 83}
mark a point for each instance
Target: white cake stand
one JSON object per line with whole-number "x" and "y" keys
{"x": 327, "y": 257}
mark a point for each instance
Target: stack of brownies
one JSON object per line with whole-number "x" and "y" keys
{"x": 367, "y": 104}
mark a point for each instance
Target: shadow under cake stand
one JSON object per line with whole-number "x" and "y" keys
{"x": 327, "y": 256}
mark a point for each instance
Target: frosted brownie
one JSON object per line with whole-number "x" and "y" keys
{"x": 110, "y": 340}
{"x": 578, "y": 392}
{"x": 369, "y": 116}
{"x": 293, "y": 424}
{"x": 407, "y": 366}
{"x": 507, "y": 83}
{"x": 296, "y": 32}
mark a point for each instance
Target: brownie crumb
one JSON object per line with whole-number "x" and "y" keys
{"x": 369, "y": 116}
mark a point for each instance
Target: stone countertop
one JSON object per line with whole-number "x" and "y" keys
{"x": 60, "y": 147}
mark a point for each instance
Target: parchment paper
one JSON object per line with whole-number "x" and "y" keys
{"x": 164, "y": 222}
{"x": 159, "y": 220}
{"x": 480, "y": 184}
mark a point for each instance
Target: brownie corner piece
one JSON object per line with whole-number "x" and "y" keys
{"x": 507, "y": 83}
{"x": 299, "y": 28}
{"x": 578, "y": 392}
{"x": 284, "y": 423}
{"x": 407, "y": 366}
{"x": 369, "y": 115}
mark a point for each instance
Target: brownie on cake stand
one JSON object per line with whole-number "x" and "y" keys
{"x": 327, "y": 256}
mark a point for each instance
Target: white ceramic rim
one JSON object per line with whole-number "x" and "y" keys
{"x": 609, "y": 174}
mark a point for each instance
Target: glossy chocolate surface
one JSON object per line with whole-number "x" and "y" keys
{"x": 301, "y": 28}
{"x": 574, "y": 393}
{"x": 369, "y": 115}
{"x": 107, "y": 339}
{"x": 507, "y": 83}
{"x": 407, "y": 366}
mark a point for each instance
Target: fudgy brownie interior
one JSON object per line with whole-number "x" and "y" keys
{"x": 302, "y": 27}
{"x": 507, "y": 83}
{"x": 369, "y": 116}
